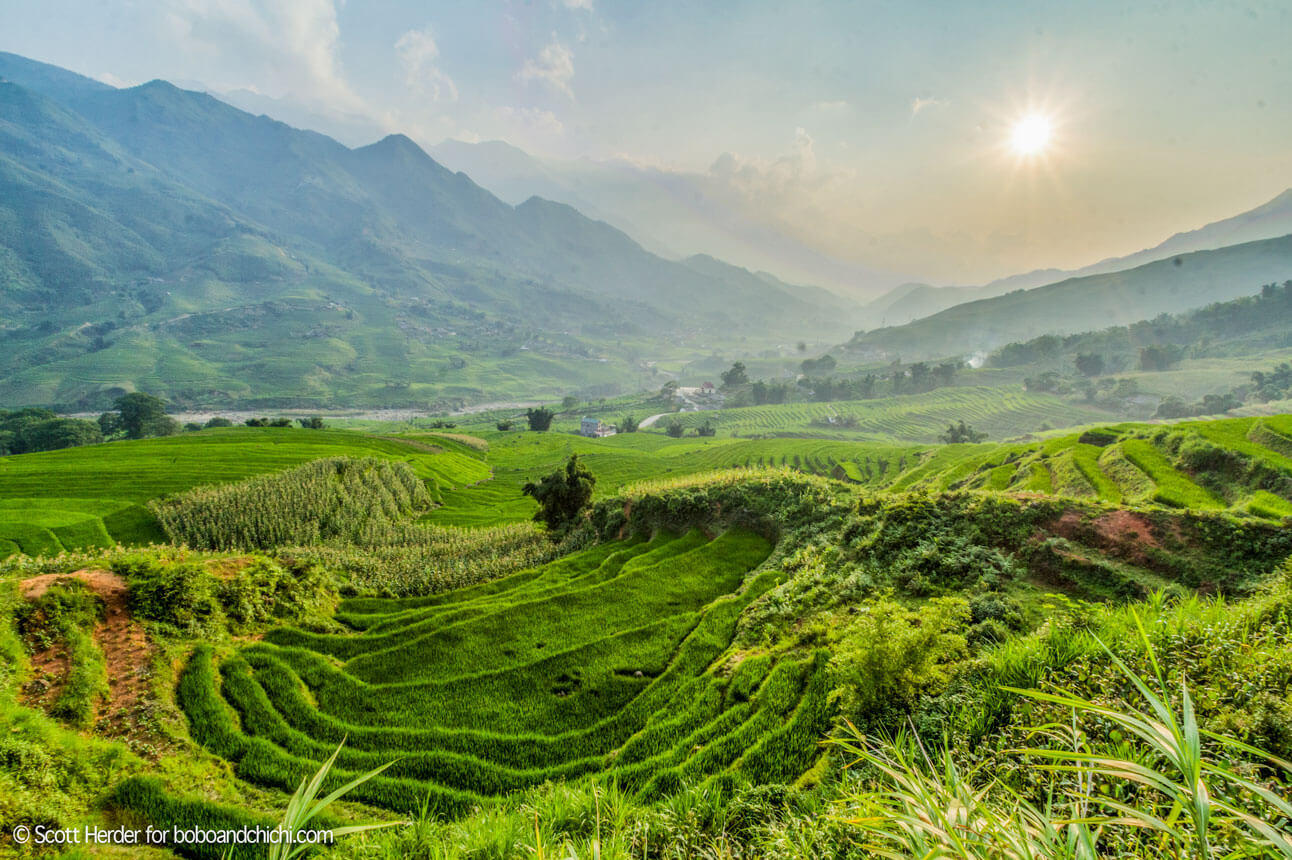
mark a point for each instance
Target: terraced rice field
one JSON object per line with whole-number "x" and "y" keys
{"x": 94, "y": 496}
{"x": 611, "y": 663}
{"x": 1130, "y": 469}
{"x": 916, "y": 418}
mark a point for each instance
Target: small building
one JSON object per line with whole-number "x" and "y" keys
{"x": 593, "y": 428}
{"x": 706, "y": 389}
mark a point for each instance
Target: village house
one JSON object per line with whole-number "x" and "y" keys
{"x": 593, "y": 428}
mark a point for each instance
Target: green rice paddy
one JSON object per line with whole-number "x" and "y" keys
{"x": 611, "y": 663}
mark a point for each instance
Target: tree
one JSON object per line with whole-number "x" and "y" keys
{"x": 1090, "y": 363}
{"x": 217, "y": 421}
{"x": 505, "y": 424}
{"x": 1159, "y": 356}
{"x": 145, "y": 415}
{"x": 568, "y": 402}
{"x": 110, "y": 424}
{"x": 668, "y": 390}
{"x": 628, "y": 424}
{"x": 57, "y": 433}
{"x": 314, "y": 422}
{"x": 562, "y": 495}
{"x": 675, "y": 429}
{"x": 735, "y": 375}
{"x": 822, "y": 366}
{"x": 957, "y": 433}
{"x": 539, "y": 419}
{"x": 706, "y": 429}
{"x": 802, "y": 346}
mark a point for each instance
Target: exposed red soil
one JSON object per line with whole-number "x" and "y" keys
{"x": 1123, "y": 526}
{"x": 126, "y": 650}
{"x": 1122, "y": 534}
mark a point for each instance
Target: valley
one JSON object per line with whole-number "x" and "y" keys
{"x": 793, "y": 450}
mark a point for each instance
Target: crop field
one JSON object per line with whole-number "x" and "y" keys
{"x": 613, "y": 661}
{"x": 95, "y": 496}
{"x": 1002, "y": 413}
{"x": 1130, "y": 466}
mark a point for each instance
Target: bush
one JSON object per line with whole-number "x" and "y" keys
{"x": 888, "y": 656}
{"x": 562, "y": 495}
{"x": 539, "y": 419}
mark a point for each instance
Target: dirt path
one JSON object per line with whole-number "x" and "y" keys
{"x": 126, "y": 651}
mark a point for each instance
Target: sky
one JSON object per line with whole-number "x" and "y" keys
{"x": 876, "y": 131}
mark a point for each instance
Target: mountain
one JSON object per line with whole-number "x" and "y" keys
{"x": 1086, "y": 303}
{"x": 157, "y": 238}
{"x": 908, "y": 302}
{"x": 675, "y": 214}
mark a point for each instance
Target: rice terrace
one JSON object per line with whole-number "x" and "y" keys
{"x": 572, "y": 431}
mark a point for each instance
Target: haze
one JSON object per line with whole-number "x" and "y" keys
{"x": 877, "y": 134}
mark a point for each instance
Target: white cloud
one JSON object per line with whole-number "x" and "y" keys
{"x": 418, "y": 54}
{"x": 554, "y": 67}
{"x": 284, "y": 45}
{"x": 920, "y": 104}
{"x": 585, "y": 5}
{"x": 832, "y": 106}
{"x": 111, "y": 80}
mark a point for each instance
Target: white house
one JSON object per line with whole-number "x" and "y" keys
{"x": 592, "y": 427}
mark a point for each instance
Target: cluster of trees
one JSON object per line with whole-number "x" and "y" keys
{"x": 961, "y": 432}
{"x": 1275, "y": 384}
{"x": 676, "y": 429}
{"x": 1161, "y": 342}
{"x": 1210, "y": 404}
{"x": 137, "y": 416}
{"x": 1160, "y": 356}
{"x": 29, "y": 430}
{"x": 915, "y": 378}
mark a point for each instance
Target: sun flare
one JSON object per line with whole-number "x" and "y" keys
{"x": 1031, "y": 134}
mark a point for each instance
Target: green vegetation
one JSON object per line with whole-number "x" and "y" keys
{"x": 94, "y": 496}
{"x": 716, "y": 607}
{"x": 562, "y": 495}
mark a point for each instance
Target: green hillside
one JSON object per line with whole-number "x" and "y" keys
{"x": 157, "y": 239}
{"x": 1088, "y": 303}
{"x": 87, "y": 497}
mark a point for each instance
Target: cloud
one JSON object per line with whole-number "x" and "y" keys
{"x": 111, "y": 80}
{"x": 418, "y": 54}
{"x": 831, "y": 106}
{"x": 554, "y": 67}
{"x": 287, "y": 45}
{"x": 585, "y": 5}
{"x": 920, "y": 104}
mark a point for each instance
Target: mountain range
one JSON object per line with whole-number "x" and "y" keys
{"x": 1091, "y": 302}
{"x": 157, "y": 238}
{"x": 912, "y": 301}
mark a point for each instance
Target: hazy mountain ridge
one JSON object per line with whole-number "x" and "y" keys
{"x": 674, "y": 214}
{"x": 1087, "y": 303}
{"x": 912, "y": 301}
{"x": 113, "y": 194}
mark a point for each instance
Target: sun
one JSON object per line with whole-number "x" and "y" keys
{"x": 1031, "y": 134}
